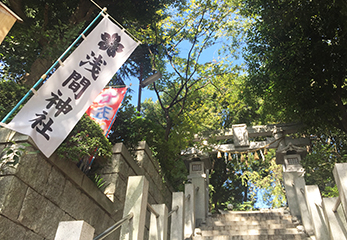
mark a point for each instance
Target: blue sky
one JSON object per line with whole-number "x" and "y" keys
{"x": 207, "y": 56}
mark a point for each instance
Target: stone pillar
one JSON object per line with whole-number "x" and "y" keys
{"x": 198, "y": 178}
{"x": 340, "y": 177}
{"x": 294, "y": 183}
{"x": 158, "y": 225}
{"x": 189, "y": 219}
{"x": 117, "y": 171}
{"x": 207, "y": 195}
{"x": 74, "y": 230}
{"x": 136, "y": 203}
{"x": 314, "y": 204}
{"x": 336, "y": 221}
{"x": 293, "y": 203}
{"x": 292, "y": 169}
{"x": 299, "y": 183}
{"x": 177, "y": 218}
{"x": 240, "y": 135}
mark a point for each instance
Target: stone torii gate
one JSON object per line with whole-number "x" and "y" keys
{"x": 289, "y": 153}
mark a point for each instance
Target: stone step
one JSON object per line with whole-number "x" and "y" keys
{"x": 254, "y": 225}
{"x": 255, "y": 237}
{"x": 221, "y": 222}
{"x": 286, "y": 231}
{"x": 257, "y": 217}
{"x": 254, "y": 213}
{"x": 245, "y": 226}
{"x": 232, "y": 218}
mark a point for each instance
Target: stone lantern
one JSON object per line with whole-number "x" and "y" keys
{"x": 199, "y": 177}
{"x": 199, "y": 165}
{"x": 293, "y": 177}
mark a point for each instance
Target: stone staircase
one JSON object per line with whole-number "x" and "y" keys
{"x": 251, "y": 225}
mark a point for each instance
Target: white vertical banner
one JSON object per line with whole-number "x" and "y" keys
{"x": 50, "y": 115}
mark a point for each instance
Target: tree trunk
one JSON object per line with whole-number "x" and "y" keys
{"x": 168, "y": 125}
{"x": 17, "y": 7}
{"x": 38, "y": 68}
{"x": 82, "y": 13}
{"x": 245, "y": 197}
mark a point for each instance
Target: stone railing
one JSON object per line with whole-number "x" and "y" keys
{"x": 322, "y": 218}
{"x": 134, "y": 217}
{"x": 38, "y": 193}
{"x": 142, "y": 220}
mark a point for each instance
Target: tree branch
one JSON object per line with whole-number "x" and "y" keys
{"x": 158, "y": 96}
{"x": 342, "y": 109}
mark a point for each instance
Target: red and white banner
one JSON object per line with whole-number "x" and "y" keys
{"x": 104, "y": 108}
{"x": 50, "y": 115}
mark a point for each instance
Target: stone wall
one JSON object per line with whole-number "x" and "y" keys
{"x": 123, "y": 165}
{"x": 38, "y": 193}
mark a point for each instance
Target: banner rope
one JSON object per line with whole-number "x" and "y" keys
{"x": 243, "y": 152}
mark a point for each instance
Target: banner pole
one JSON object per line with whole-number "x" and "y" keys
{"x": 56, "y": 62}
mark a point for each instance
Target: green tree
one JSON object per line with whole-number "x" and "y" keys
{"x": 49, "y": 27}
{"x": 326, "y": 150}
{"x": 186, "y": 34}
{"x": 237, "y": 178}
{"x": 130, "y": 128}
{"x": 10, "y": 94}
{"x": 226, "y": 183}
{"x": 181, "y": 110}
{"x": 266, "y": 176}
{"x": 296, "y": 56}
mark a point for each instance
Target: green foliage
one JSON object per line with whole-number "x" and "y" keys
{"x": 326, "y": 150}
{"x": 184, "y": 36}
{"x": 238, "y": 180}
{"x": 99, "y": 182}
{"x": 193, "y": 96}
{"x": 10, "y": 94}
{"x": 49, "y": 27}
{"x": 85, "y": 140}
{"x": 11, "y": 154}
{"x": 225, "y": 102}
{"x": 245, "y": 206}
{"x": 265, "y": 175}
{"x": 296, "y": 59}
{"x": 44, "y": 33}
{"x": 330, "y": 192}
{"x": 226, "y": 183}
{"x": 130, "y": 128}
